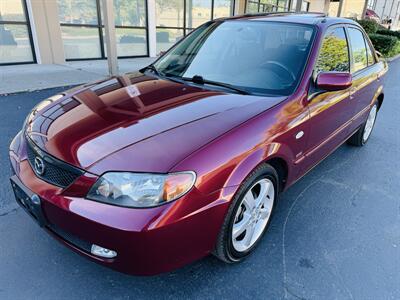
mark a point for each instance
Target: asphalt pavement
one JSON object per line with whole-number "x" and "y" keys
{"x": 335, "y": 233}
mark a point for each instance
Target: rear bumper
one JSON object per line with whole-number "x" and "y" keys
{"x": 147, "y": 241}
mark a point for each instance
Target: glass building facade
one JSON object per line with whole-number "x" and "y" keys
{"x": 82, "y": 29}
{"x": 262, "y": 6}
{"x": 73, "y": 29}
{"x": 176, "y": 18}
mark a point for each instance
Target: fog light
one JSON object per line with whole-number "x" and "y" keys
{"x": 103, "y": 252}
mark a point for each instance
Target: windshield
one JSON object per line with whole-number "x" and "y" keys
{"x": 255, "y": 56}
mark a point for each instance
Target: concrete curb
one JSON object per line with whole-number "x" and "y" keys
{"x": 390, "y": 59}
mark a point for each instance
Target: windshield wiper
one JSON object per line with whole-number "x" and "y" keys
{"x": 151, "y": 68}
{"x": 200, "y": 80}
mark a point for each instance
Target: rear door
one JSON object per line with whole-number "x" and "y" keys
{"x": 364, "y": 69}
{"x": 330, "y": 112}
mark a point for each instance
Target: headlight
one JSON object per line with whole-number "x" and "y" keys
{"x": 141, "y": 190}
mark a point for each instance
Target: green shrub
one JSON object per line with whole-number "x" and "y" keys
{"x": 370, "y": 26}
{"x": 395, "y": 51}
{"x": 385, "y": 44}
{"x": 389, "y": 32}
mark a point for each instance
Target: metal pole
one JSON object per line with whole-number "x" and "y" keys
{"x": 151, "y": 22}
{"x": 391, "y": 10}
{"x": 109, "y": 38}
{"x": 383, "y": 10}
{"x": 364, "y": 9}
{"x": 298, "y": 5}
{"x": 339, "y": 11}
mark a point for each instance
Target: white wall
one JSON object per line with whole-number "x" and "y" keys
{"x": 46, "y": 31}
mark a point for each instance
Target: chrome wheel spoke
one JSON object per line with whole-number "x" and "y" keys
{"x": 249, "y": 200}
{"x": 241, "y": 226}
{"x": 249, "y": 234}
{"x": 264, "y": 189}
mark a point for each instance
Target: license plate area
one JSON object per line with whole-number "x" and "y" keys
{"x": 28, "y": 200}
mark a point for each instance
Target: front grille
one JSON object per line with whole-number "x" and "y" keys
{"x": 56, "y": 172}
{"x": 70, "y": 238}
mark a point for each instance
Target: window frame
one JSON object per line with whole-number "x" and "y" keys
{"x": 100, "y": 28}
{"x": 27, "y": 23}
{"x": 328, "y": 30}
{"x": 365, "y": 45}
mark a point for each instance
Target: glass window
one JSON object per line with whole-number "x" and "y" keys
{"x": 223, "y": 8}
{"x": 305, "y": 5}
{"x": 259, "y": 57}
{"x": 130, "y": 13}
{"x": 169, "y": 13}
{"x": 358, "y": 49}
{"x": 12, "y": 10}
{"x": 334, "y": 53}
{"x": 15, "y": 42}
{"x": 197, "y": 12}
{"x": 15, "y": 45}
{"x": 171, "y": 17}
{"x": 255, "y": 6}
{"x": 77, "y": 12}
{"x": 131, "y": 41}
{"x": 252, "y": 7}
{"x": 370, "y": 56}
{"x": 81, "y": 42}
{"x": 167, "y": 37}
{"x": 131, "y": 27}
{"x": 82, "y": 30}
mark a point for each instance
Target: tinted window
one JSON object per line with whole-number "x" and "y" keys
{"x": 358, "y": 49}
{"x": 334, "y": 53}
{"x": 259, "y": 57}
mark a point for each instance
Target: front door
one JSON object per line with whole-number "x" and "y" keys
{"x": 330, "y": 112}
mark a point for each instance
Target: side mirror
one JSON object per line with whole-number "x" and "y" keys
{"x": 333, "y": 81}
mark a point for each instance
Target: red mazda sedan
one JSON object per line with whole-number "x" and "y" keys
{"x": 151, "y": 170}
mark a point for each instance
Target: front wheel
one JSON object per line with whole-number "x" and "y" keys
{"x": 249, "y": 215}
{"x": 361, "y": 136}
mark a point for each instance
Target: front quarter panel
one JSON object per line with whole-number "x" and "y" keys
{"x": 228, "y": 160}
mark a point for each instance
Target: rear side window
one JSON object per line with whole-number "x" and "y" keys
{"x": 370, "y": 56}
{"x": 334, "y": 52}
{"x": 358, "y": 49}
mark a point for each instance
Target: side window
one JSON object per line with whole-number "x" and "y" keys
{"x": 334, "y": 52}
{"x": 370, "y": 56}
{"x": 358, "y": 49}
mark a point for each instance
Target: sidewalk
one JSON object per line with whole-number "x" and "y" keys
{"x": 31, "y": 77}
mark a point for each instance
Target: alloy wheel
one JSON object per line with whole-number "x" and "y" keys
{"x": 253, "y": 215}
{"x": 369, "y": 125}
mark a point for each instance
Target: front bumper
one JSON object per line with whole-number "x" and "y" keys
{"x": 147, "y": 241}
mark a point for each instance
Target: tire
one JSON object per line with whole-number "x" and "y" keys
{"x": 362, "y": 135}
{"x": 261, "y": 180}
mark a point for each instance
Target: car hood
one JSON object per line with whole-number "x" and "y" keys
{"x": 136, "y": 122}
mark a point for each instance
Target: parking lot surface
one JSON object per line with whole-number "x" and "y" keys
{"x": 335, "y": 233}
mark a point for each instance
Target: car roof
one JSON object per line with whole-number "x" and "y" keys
{"x": 293, "y": 17}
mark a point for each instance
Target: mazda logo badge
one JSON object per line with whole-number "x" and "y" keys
{"x": 39, "y": 166}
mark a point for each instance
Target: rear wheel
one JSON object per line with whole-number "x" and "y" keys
{"x": 249, "y": 215}
{"x": 360, "y": 138}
